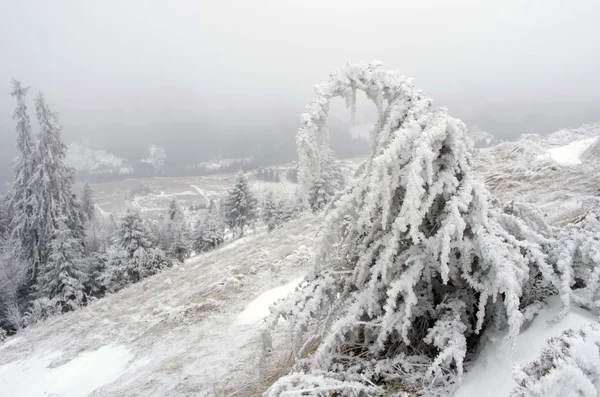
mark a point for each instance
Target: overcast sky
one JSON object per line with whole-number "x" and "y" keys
{"x": 247, "y": 66}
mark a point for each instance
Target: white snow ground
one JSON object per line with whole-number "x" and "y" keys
{"x": 258, "y": 309}
{"x": 570, "y": 154}
{"x": 490, "y": 374}
{"x": 36, "y": 376}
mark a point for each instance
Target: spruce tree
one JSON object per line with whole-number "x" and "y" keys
{"x": 135, "y": 251}
{"x": 240, "y": 206}
{"x": 4, "y": 218}
{"x": 52, "y": 186}
{"x": 61, "y": 278}
{"x": 272, "y": 212}
{"x": 209, "y": 231}
{"x": 87, "y": 202}
{"x": 178, "y": 239}
{"x": 134, "y": 237}
{"x": 20, "y": 194}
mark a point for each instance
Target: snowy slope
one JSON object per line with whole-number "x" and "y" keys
{"x": 490, "y": 374}
{"x": 176, "y": 334}
{"x": 548, "y": 171}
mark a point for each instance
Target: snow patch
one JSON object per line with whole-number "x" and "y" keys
{"x": 79, "y": 377}
{"x": 10, "y": 342}
{"x": 258, "y": 309}
{"x": 570, "y": 154}
{"x": 490, "y": 374}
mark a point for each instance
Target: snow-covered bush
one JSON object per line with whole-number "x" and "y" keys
{"x": 576, "y": 253}
{"x": 2, "y": 335}
{"x": 568, "y": 366}
{"x": 41, "y": 309}
{"x": 413, "y": 261}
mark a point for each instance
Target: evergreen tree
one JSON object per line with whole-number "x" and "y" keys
{"x": 272, "y": 212}
{"x": 328, "y": 180}
{"x": 178, "y": 239}
{"x": 240, "y": 206}
{"x": 209, "y": 231}
{"x": 4, "y": 217}
{"x": 20, "y": 195}
{"x": 87, "y": 201}
{"x": 52, "y": 187}
{"x": 136, "y": 253}
{"x": 61, "y": 278}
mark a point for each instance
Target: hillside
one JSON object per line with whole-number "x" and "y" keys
{"x": 194, "y": 330}
{"x": 175, "y": 334}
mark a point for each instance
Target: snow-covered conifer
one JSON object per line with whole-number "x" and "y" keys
{"x": 4, "y": 217}
{"x": 178, "y": 234}
{"x": 136, "y": 240}
{"x": 414, "y": 260}
{"x": 20, "y": 194}
{"x": 61, "y": 278}
{"x": 209, "y": 231}
{"x": 328, "y": 179}
{"x": 51, "y": 182}
{"x": 240, "y": 207}
{"x": 272, "y": 212}
{"x": 87, "y": 201}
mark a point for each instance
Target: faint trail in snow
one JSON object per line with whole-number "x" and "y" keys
{"x": 201, "y": 193}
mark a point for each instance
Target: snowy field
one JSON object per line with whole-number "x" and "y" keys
{"x": 154, "y": 194}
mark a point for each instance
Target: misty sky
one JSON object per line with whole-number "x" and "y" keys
{"x": 123, "y": 74}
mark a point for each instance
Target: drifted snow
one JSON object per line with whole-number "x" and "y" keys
{"x": 490, "y": 374}
{"x": 258, "y": 309}
{"x": 570, "y": 154}
{"x": 79, "y": 377}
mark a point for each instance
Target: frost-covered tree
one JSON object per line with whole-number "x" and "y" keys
{"x": 61, "y": 278}
{"x": 87, "y": 201}
{"x": 135, "y": 239}
{"x": 272, "y": 212}
{"x": 157, "y": 156}
{"x": 209, "y": 231}
{"x": 328, "y": 180}
{"x": 576, "y": 252}
{"x": 413, "y": 261}
{"x": 51, "y": 182}
{"x": 20, "y": 193}
{"x": 4, "y": 217}
{"x": 240, "y": 207}
{"x": 177, "y": 236}
{"x": 13, "y": 273}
